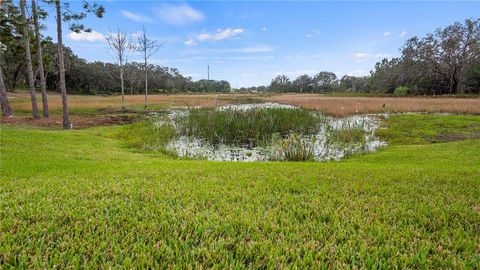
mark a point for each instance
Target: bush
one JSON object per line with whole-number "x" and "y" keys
{"x": 401, "y": 91}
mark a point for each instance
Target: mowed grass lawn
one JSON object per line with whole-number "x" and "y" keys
{"x": 80, "y": 198}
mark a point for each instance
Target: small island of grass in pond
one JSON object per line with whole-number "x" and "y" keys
{"x": 261, "y": 132}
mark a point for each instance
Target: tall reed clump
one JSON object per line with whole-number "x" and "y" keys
{"x": 297, "y": 148}
{"x": 247, "y": 127}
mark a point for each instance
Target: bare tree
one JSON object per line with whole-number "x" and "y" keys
{"x": 119, "y": 46}
{"x": 38, "y": 38}
{"x": 6, "y": 110}
{"x": 147, "y": 47}
{"x": 28, "y": 60}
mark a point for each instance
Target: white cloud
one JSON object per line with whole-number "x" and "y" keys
{"x": 179, "y": 15}
{"x": 264, "y": 28}
{"x": 86, "y": 36}
{"x": 218, "y": 35}
{"x": 362, "y": 57}
{"x": 403, "y": 33}
{"x": 190, "y": 42}
{"x": 309, "y": 35}
{"x": 136, "y": 17}
{"x": 387, "y": 34}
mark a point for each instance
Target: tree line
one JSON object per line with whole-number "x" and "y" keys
{"x": 446, "y": 61}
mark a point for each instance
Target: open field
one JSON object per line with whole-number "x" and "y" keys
{"x": 83, "y": 198}
{"x": 342, "y": 106}
{"x": 338, "y": 106}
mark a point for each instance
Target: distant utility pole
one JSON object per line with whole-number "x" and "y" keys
{"x": 208, "y": 77}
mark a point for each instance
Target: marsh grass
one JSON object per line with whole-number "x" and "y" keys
{"x": 250, "y": 128}
{"x": 147, "y": 136}
{"x": 297, "y": 148}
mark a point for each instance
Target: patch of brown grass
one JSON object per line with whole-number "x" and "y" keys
{"x": 21, "y": 101}
{"x": 343, "y": 106}
{"x": 338, "y": 106}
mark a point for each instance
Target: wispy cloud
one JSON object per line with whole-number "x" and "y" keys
{"x": 362, "y": 57}
{"x": 387, "y": 34}
{"x": 403, "y": 33}
{"x": 264, "y": 28}
{"x": 179, "y": 15}
{"x": 218, "y": 35}
{"x": 86, "y": 36}
{"x": 136, "y": 17}
{"x": 312, "y": 33}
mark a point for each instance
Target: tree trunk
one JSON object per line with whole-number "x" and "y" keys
{"x": 28, "y": 61}
{"x": 6, "y": 110}
{"x": 61, "y": 68}
{"x": 43, "y": 83}
{"x": 122, "y": 87}
{"x": 146, "y": 85}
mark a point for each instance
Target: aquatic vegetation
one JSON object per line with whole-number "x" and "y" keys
{"x": 252, "y": 127}
{"x": 268, "y": 132}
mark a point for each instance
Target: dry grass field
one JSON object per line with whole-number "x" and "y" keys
{"x": 21, "y": 101}
{"x": 342, "y": 106}
{"x": 104, "y": 110}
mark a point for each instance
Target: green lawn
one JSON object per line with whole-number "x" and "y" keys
{"x": 81, "y": 198}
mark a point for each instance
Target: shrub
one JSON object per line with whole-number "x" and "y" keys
{"x": 401, "y": 91}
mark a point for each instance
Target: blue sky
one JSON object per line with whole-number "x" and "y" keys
{"x": 248, "y": 43}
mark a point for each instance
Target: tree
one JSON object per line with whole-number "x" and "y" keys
{"x": 61, "y": 68}
{"x": 280, "y": 84}
{"x": 6, "y": 110}
{"x": 28, "y": 59}
{"x": 303, "y": 83}
{"x": 147, "y": 48}
{"x": 325, "y": 81}
{"x": 38, "y": 39}
{"x": 119, "y": 45}
{"x": 448, "y": 51}
{"x": 76, "y": 26}
{"x": 11, "y": 42}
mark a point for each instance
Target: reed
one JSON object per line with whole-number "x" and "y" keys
{"x": 251, "y": 127}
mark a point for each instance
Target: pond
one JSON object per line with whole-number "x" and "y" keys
{"x": 269, "y": 132}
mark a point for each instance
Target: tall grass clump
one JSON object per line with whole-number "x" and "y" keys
{"x": 147, "y": 135}
{"x": 247, "y": 127}
{"x": 347, "y": 133}
{"x": 297, "y": 148}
